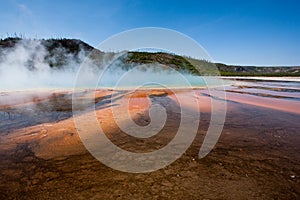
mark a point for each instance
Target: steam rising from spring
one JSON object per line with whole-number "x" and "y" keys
{"x": 26, "y": 66}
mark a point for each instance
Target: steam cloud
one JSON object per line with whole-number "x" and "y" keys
{"x": 25, "y": 67}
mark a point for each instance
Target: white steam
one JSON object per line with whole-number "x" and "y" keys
{"x": 24, "y": 67}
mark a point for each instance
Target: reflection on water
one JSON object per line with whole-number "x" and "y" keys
{"x": 279, "y": 95}
{"x": 276, "y": 88}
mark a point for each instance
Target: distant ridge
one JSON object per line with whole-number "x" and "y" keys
{"x": 60, "y": 50}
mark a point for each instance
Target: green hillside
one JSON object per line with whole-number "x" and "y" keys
{"x": 59, "y": 52}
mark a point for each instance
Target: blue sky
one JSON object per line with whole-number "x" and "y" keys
{"x": 233, "y": 32}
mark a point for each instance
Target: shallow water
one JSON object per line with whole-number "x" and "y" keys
{"x": 272, "y": 88}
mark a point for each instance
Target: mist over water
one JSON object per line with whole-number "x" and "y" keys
{"x": 148, "y": 76}
{"x": 24, "y": 67}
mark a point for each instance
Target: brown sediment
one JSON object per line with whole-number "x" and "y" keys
{"x": 257, "y": 156}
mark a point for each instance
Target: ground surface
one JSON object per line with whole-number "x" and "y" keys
{"x": 256, "y": 157}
